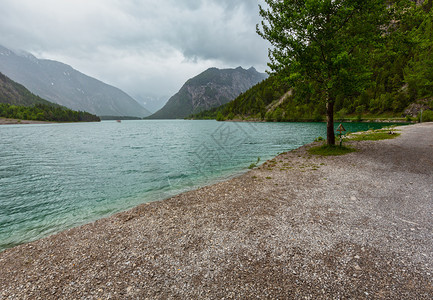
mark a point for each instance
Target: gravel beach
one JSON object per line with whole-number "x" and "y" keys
{"x": 5, "y": 121}
{"x": 358, "y": 226}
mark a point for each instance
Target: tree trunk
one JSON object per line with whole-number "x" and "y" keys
{"x": 330, "y": 135}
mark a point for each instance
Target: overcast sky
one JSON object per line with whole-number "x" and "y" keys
{"x": 144, "y": 47}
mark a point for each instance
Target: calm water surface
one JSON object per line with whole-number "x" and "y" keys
{"x": 56, "y": 176}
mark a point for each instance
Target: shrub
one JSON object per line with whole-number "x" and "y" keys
{"x": 253, "y": 165}
{"x": 220, "y": 116}
{"x": 427, "y": 116}
{"x": 341, "y": 114}
{"x": 359, "y": 110}
{"x": 409, "y": 118}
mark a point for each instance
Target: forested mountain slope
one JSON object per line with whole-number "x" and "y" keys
{"x": 17, "y": 102}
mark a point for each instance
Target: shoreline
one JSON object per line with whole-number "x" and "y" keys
{"x": 399, "y": 121}
{"x": 297, "y": 226}
{"x": 7, "y": 121}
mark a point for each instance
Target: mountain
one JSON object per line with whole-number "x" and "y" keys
{"x": 17, "y": 102}
{"x": 209, "y": 89}
{"x": 60, "y": 83}
{"x": 16, "y": 94}
{"x": 255, "y": 103}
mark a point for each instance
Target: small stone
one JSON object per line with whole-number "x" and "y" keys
{"x": 357, "y": 267}
{"x": 353, "y": 198}
{"x": 357, "y": 257}
{"x": 129, "y": 290}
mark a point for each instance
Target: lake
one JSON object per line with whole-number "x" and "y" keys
{"x": 57, "y": 176}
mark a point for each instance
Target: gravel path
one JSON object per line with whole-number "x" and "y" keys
{"x": 358, "y": 226}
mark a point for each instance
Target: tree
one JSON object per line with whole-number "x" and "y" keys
{"x": 324, "y": 43}
{"x": 220, "y": 116}
{"x": 419, "y": 71}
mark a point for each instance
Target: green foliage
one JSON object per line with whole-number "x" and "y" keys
{"x": 341, "y": 114}
{"x": 409, "y": 118}
{"x": 418, "y": 72}
{"x": 330, "y": 150}
{"x": 359, "y": 110}
{"x": 44, "y": 112}
{"x": 427, "y": 116}
{"x": 322, "y": 42}
{"x": 220, "y": 117}
{"x": 374, "y": 135}
{"x": 253, "y": 165}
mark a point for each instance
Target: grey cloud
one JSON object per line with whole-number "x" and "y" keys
{"x": 141, "y": 46}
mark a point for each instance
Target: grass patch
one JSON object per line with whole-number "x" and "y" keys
{"x": 375, "y": 135}
{"x": 253, "y": 165}
{"x": 388, "y": 116}
{"x": 326, "y": 150}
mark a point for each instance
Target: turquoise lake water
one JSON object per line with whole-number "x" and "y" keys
{"x": 57, "y": 176}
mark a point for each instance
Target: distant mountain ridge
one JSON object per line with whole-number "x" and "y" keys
{"x": 211, "y": 88}
{"x": 61, "y": 84}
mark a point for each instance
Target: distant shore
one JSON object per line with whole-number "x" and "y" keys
{"x": 5, "y": 121}
{"x": 300, "y": 226}
{"x": 397, "y": 121}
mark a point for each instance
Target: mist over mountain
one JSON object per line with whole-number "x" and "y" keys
{"x": 212, "y": 88}
{"x": 61, "y": 84}
{"x": 152, "y": 103}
